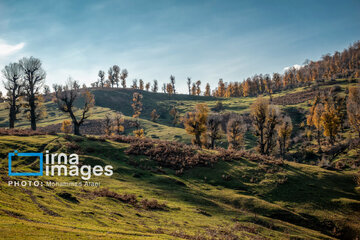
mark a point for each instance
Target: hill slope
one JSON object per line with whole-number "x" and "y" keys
{"x": 240, "y": 199}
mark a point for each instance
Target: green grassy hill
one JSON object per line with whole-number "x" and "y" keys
{"x": 240, "y": 199}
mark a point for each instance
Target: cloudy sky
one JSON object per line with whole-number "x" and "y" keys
{"x": 205, "y": 40}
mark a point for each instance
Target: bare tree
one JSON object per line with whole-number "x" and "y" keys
{"x": 14, "y": 85}
{"x": 124, "y": 75}
{"x": 235, "y": 132}
{"x": 34, "y": 77}
{"x": 213, "y": 126}
{"x": 172, "y": 81}
{"x": 111, "y": 76}
{"x": 189, "y": 84}
{"x": 65, "y": 98}
{"x": 101, "y": 75}
{"x": 116, "y": 75}
{"x": 155, "y": 87}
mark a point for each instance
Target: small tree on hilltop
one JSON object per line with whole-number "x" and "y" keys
{"x": 235, "y": 132}
{"x": 124, "y": 75}
{"x": 101, "y": 79}
{"x": 213, "y": 128}
{"x": 189, "y": 84}
{"x": 169, "y": 89}
{"x": 155, "y": 86}
{"x": 172, "y": 82}
{"x": 147, "y": 86}
{"x": 195, "y": 124}
{"x": 65, "y": 97}
{"x": 198, "y": 90}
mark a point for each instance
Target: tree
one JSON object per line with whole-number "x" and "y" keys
{"x": 259, "y": 112}
{"x": 154, "y": 115}
{"x": 147, "y": 86}
{"x": 189, "y": 84}
{"x": 272, "y": 120}
{"x": 213, "y": 128}
{"x": 164, "y": 88}
{"x": 111, "y": 76}
{"x": 46, "y": 90}
{"x": 195, "y": 123}
{"x": 118, "y": 125}
{"x": 221, "y": 88}
{"x": 174, "y": 114}
{"x": 313, "y": 119}
{"x": 108, "y": 124}
{"x": 330, "y": 122}
{"x": 141, "y": 84}
{"x": 193, "y": 89}
{"x": 172, "y": 81}
{"x": 65, "y": 97}
{"x": 169, "y": 89}
{"x": 101, "y": 75}
{"x": 207, "y": 90}
{"x": 353, "y": 108}
{"x": 66, "y": 126}
{"x": 134, "y": 84}
{"x": 235, "y": 132}
{"x": 137, "y": 107}
{"x": 218, "y": 106}
{"x": 116, "y": 75}
{"x": 34, "y": 77}
{"x": 14, "y": 85}
{"x": 198, "y": 90}
{"x": 155, "y": 86}
{"x": 284, "y": 132}
{"x": 124, "y": 75}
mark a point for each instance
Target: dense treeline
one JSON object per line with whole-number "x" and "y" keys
{"x": 339, "y": 65}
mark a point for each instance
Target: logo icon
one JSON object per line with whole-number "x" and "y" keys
{"x": 16, "y": 153}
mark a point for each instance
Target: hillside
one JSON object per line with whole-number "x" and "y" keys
{"x": 236, "y": 199}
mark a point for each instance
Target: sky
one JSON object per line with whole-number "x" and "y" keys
{"x": 204, "y": 40}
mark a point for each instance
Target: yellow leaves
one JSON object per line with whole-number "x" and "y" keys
{"x": 139, "y": 133}
{"x": 195, "y": 123}
{"x": 66, "y": 126}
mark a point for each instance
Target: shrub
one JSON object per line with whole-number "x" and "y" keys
{"x": 66, "y": 126}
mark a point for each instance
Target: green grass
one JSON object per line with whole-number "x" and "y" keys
{"x": 292, "y": 201}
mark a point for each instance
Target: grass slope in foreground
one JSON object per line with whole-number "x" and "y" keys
{"x": 239, "y": 199}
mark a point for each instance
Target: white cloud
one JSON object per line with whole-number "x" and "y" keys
{"x": 296, "y": 66}
{"x": 8, "y": 49}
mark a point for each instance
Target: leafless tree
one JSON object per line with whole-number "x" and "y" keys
{"x": 34, "y": 78}
{"x": 65, "y": 98}
{"x": 14, "y": 86}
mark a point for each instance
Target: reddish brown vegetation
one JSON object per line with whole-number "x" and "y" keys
{"x": 23, "y": 132}
{"x": 180, "y": 156}
{"x": 130, "y": 199}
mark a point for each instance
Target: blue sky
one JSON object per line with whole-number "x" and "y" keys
{"x": 205, "y": 40}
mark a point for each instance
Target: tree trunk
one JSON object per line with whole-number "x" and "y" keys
{"x": 212, "y": 143}
{"x": 76, "y": 129}
{"x": 12, "y": 117}
{"x": 318, "y": 137}
{"x": 32, "y": 112}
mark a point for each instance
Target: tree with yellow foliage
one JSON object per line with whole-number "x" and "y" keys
{"x": 284, "y": 132}
{"x": 195, "y": 123}
{"x": 154, "y": 115}
{"x": 314, "y": 118}
{"x": 137, "y": 107}
{"x": 353, "y": 108}
{"x": 66, "y": 126}
{"x": 330, "y": 121}
{"x": 118, "y": 123}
